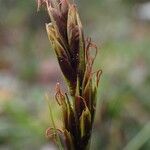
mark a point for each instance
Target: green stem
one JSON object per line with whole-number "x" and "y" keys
{"x": 140, "y": 139}
{"x": 54, "y": 126}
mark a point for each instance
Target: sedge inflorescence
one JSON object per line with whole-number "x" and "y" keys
{"x": 73, "y": 52}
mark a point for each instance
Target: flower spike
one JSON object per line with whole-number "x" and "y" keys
{"x": 76, "y": 57}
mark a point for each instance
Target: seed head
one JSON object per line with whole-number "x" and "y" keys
{"x": 65, "y": 32}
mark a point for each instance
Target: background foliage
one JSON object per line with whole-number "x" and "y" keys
{"x": 28, "y": 69}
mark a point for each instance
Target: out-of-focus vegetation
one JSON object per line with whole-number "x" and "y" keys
{"x": 28, "y": 70}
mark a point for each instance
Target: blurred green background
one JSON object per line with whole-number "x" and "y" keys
{"x": 28, "y": 69}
